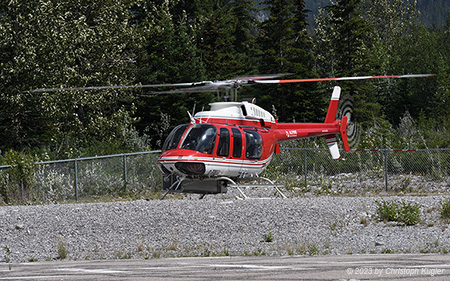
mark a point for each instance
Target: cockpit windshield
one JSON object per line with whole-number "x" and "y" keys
{"x": 174, "y": 137}
{"x": 201, "y": 138}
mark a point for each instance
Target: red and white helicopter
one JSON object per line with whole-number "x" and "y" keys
{"x": 235, "y": 141}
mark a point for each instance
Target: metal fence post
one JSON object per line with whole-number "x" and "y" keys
{"x": 76, "y": 180}
{"x": 21, "y": 190}
{"x": 125, "y": 171}
{"x": 386, "y": 169}
{"x": 306, "y": 171}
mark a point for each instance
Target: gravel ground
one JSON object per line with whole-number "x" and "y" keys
{"x": 216, "y": 226}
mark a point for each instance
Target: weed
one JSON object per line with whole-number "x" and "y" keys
{"x": 364, "y": 221}
{"x": 406, "y": 213}
{"x": 62, "y": 248}
{"x": 313, "y": 249}
{"x": 409, "y": 213}
{"x": 445, "y": 211}
{"x": 259, "y": 252}
{"x": 126, "y": 256}
{"x": 140, "y": 248}
{"x": 173, "y": 246}
{"x": 156, "y": 255}
{"x": 387, "y": 211}
{"x": 290, "y": 251}
{"x": 301, "y": 249}
{"x": 405, "y": 182}
{"x": 268, "y": 237}
{"x": 8, "y": 254}
{"x": 334, "y": 225}
{"x": 206, "y": 253}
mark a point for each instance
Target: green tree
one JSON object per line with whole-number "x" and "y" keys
{"x": 243, "y": 34}
{"x": 216, "y": 44}
{"x": 169, "y": 55}
{"x": 286, "y": 47}
{"x": 349, "y": 33}
{"x": 391, "y": 22}
{"x": 63, "y": 44}
{"x": 342, "y": 51}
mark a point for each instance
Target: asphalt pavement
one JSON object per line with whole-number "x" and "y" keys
{"x": 330, "y": 267}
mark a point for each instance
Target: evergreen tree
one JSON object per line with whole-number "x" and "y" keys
{"x": 243, "y": 35}
{"x": 170, "y": 56}
{"x": 307, "y": 101}
{"x": 350, "y": 31}
{"x": 341, "y": 49}
{"x": 391, "y": 22}
{"x": 286, "y": 47}
{"x": 216, "y": 45}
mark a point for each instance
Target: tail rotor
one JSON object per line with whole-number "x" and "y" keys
{"x": 353, "y": 131}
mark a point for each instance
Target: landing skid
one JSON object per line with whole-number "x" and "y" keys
{"x": 173, "y": 188}
{"x": 271, "y": 184}
{"x": 178, "y": 184}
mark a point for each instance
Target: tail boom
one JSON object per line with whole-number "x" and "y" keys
{"x": 329, "y": 129}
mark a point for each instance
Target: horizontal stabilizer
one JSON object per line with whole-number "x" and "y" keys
{"x": 333, "y": 146}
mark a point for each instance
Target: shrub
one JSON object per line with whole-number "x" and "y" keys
{"x": 20, "y": 174}
{"x": 387, "y": 211}
{"x": 406, "y": 213}
{"x": 409, "y": 213}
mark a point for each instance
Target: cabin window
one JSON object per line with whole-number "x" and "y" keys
{"x": 253, "y": 148}
{"x": 237, "y": 143}
{"x": 223, "y": 149}
{"x": 174, "y": 137}
{"x": 201, "y": 138}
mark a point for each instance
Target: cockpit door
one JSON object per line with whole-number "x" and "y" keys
{"x": 223, "y": 150}
{"x": 236, "y": 152}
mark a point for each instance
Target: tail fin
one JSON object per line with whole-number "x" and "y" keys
{"x": 333, "y": 107}
{"x": 330, "y": 118}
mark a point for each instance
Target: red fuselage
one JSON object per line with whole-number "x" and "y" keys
{"x": 232, "y": 140}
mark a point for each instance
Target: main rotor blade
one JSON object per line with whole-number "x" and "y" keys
{"x": 110, "y": 87}
{"x": 209, "y": 86}
{"x": 341, "y": 78}
{"x": 203, "y": 86}
{"x": 260, "y": 77}
{"x": 184, "y": 90}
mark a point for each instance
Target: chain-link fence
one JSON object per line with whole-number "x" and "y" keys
{"x": 131, "y": 174}
{"x": 300, "y": 170}
{"x": 365, "y": 170}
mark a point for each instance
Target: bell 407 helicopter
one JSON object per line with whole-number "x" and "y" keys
{"x": 235, "y": 141}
